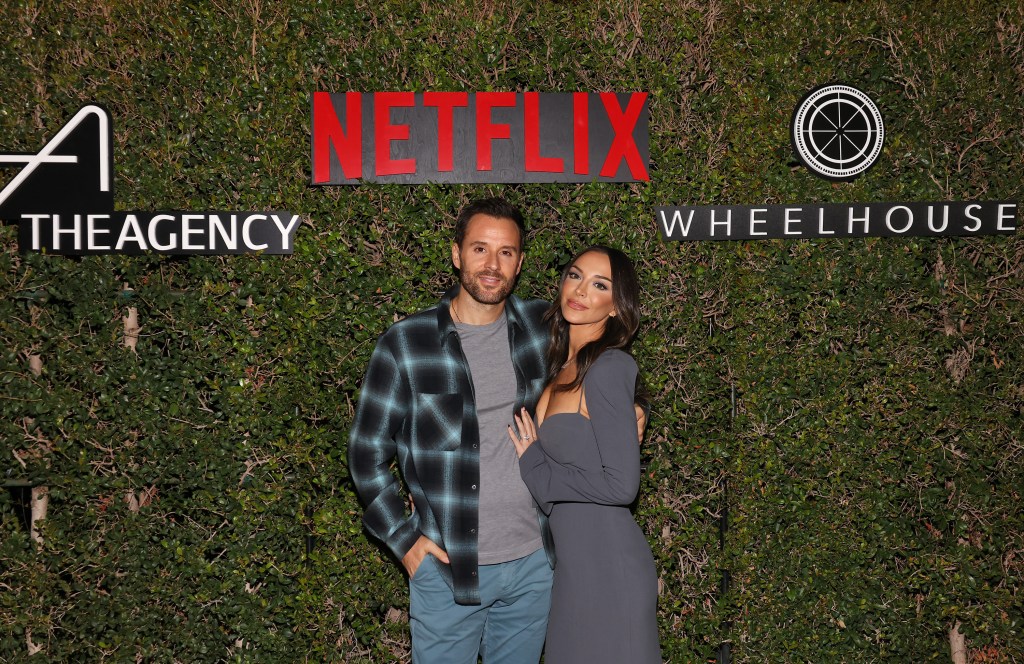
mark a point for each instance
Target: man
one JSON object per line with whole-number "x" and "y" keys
{"x": 439, "y": 393}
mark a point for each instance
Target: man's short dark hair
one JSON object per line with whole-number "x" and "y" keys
{"x": 493, "y": 207}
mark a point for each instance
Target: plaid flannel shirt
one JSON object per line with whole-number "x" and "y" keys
{"x": 417, "y": 404}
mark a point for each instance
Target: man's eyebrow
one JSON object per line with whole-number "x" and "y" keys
{"x": 482, "y": 243}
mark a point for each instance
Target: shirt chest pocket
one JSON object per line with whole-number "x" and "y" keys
{"x": 437, "y": 423}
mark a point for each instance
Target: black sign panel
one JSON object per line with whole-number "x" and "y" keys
{"x": 210, "y": 233}
{"x": 63, "y": 200}
{"x": 836, "y": 220}
{"x": 407, "y": 138}
{"x": 72, "y": 173}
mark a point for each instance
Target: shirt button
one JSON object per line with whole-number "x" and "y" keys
{"x": 473, "y": 530}
{"x": 473, "y": 573}
{"x": 475, "y": 446}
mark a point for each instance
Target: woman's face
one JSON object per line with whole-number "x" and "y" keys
{"x": 586, "y": 295}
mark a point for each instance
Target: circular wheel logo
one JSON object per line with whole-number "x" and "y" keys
{"x": 837, "y": 132}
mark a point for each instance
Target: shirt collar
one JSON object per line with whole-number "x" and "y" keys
{"x": 445, "y": 324}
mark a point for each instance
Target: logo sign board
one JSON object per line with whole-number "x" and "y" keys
{"x": 837, "y": 132}
{"x": 482, "y": 137}
{"x": 836, "y": 220}
{"x": 63, "y": 201}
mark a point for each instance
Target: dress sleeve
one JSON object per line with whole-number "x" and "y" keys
{"x": 609, "y": 390}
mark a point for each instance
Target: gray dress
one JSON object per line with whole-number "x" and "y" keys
{"x": 584, "y": 473}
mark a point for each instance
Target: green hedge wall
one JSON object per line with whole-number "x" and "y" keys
{"x": 199, "y": 502}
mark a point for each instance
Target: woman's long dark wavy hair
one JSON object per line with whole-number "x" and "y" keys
{"x": 619, "y": 330}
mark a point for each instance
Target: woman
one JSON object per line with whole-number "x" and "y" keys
{"x": 582, "y": 465}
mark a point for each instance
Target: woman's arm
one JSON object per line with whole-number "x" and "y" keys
{"x": 608, "y": 388}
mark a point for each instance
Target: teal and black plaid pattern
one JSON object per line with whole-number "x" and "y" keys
{"x": 416, "y": 403}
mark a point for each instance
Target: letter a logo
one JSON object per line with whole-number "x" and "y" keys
{"x": 72, "y": 173}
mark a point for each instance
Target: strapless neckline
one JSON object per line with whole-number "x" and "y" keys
{"x": 557, "y": 414}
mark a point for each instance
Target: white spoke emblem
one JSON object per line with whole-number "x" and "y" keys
{"x": 837, "y": 132}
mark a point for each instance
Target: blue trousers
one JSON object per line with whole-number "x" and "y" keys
{"x": 507, "y": 627}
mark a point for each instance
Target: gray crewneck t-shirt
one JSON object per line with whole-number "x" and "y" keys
{"x": 508, "y": 527}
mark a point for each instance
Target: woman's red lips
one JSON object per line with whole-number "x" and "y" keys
{"x": 573, "y": 304}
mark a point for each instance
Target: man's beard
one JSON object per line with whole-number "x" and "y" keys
{"x": 481, "y": 295}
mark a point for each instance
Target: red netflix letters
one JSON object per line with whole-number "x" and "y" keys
{"x": 445, "y": 102}
{"x": 479, "y": 137}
